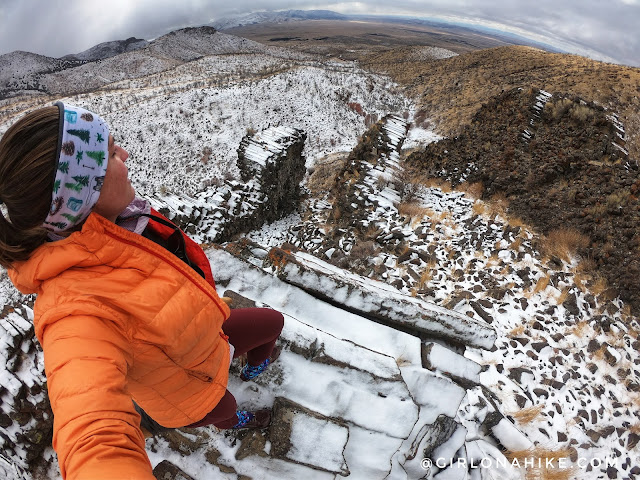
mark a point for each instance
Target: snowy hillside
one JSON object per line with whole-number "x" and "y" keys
{"x": 108, "y": 49}
{"x": 23, "y": 73}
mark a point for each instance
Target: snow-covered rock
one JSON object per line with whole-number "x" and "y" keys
{"x": 378, "y": 300}
{"x": 272, "y": 166}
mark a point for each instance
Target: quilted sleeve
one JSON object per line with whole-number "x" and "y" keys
{"x": 96, "y": 428}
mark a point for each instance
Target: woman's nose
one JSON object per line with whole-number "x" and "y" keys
{"x": 123, "y": 154}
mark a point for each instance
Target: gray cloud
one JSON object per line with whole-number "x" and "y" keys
{"x": 602, "y": 30}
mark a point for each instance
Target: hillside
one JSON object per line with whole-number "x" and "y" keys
{"x": 22, "y": 73}
{"x": 451, "y": 91}
{"x": 108, "y": 49}
{"x": 562, "y": 166}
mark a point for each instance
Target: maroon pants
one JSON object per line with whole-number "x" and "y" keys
{"x": 253, "y": 331}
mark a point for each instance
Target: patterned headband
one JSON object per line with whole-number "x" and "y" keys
{"x": 81, "y": 163}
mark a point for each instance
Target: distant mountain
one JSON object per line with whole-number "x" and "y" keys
{"x": 108, "y": 49}
{"x": 20, "y": 71}
{"x": 24, "y": 72}
{"x": 284, "y": 16}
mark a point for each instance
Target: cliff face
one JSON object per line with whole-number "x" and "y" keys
{"x": 274, "y": 159}
{"x": 271, "y": 168}
{"x": 562, "y": 163}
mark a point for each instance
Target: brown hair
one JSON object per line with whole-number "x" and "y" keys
{"x": 27, "y": 170}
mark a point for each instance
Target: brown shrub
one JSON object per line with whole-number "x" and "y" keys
{"x": 542, "y": 284}
{"x": 537, "y": 468}
{"x": 414, "y": 211}
{"x": 472, "y": 190}
{"x": 581, "y": 113}
{"x": 527, "y": 415}
{"x": 324, "y": 174}
{"x": 559, "y": 107}
{"x": 564, "y": 243}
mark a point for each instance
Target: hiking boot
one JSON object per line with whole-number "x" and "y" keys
{"x": 257, "y": 419}
{"x": 249, "y": 372}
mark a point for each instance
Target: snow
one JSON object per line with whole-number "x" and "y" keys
{"x": 510, "y": 437}
{"x": 249, "y": 282}
{"x": 440, "y": 396}
{"x": 367, "y": 295}
{"x": 319, "y": 443}
{"x": 447, "y": 361}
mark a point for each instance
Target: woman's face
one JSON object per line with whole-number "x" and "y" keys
{"x": 116, "y": 192}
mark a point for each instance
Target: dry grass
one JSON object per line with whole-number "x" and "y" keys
{"x": 516, "y": 332}
{"x": 498, "y": 205}
{"x": 581, "y": 329}
{"x": 518, "y": 222}
{"x": 401, "y": 361}
{"x": 586, "y": 265}
{"x": 563, "y": 243}
{"x": 414, "y": 211}
{"x": 479, "y": 208}
{"x": 542, "y": 284}
{"x": 516, "y": 244}
{"x": 426, "y": 276}
{"x": 580, "y": 280}
{"x": 527, "y": 415}
{"x": 627, "y": 318}
{"x": 539, "y": 456}
{"x": 372, "y": 232}
{"x": 439, "y": 217}
{"x": 471, "y": 190}
{"x": 432, "y": 182}
{"x": 562, "y": 297}
{"x": 598, "y": 285}
{"x": 599, "y": 353}
{"x": 493, "y": 260}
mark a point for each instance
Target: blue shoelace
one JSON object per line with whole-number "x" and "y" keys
{"x": 249, "y": 371}
{"x": 244, "y": 417}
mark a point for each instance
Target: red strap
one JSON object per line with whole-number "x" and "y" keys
{"x": 193, "y": 250}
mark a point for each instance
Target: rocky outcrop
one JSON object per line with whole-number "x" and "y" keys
{"x": 411, "y": 411}
{"x": 271, "y": 166}
{"x": 273, "y": 160}
{"x": 26, "y": 420}
{"x": 378, "y": 300}
{"x": 562, "y": 163}
{"x": 165, "y": 470}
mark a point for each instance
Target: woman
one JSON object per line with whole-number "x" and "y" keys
{"x": 126, "y": 304}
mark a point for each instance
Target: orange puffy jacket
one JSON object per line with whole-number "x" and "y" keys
{"x": 119, "y": 317}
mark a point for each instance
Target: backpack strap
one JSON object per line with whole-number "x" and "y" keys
{"x": 181, "y": 245}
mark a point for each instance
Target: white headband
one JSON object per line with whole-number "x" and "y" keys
{"x": 81, "y": 163}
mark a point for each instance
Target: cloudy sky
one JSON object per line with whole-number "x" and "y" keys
{"x": 602, "y": 29}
